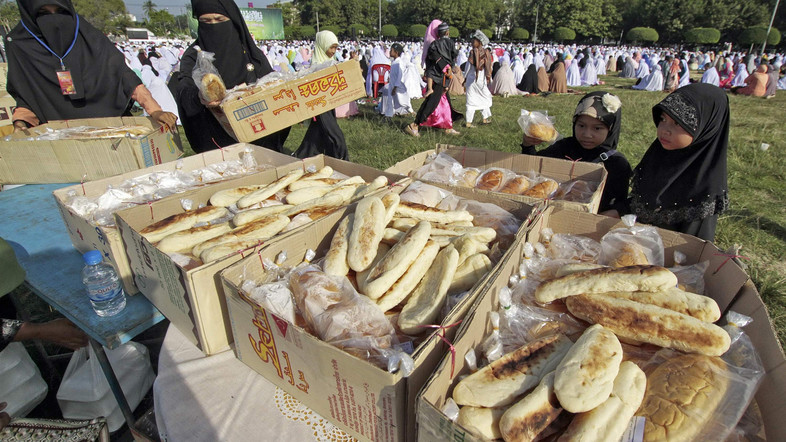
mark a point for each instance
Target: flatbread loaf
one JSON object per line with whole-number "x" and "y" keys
{"x": 425, "y": 213}
{"x": 483, "y": 422}
{"x": 227, "y": 197}
{"x": 367, "y": 231}
{"x": 699, "y": 306}
{"x": 185, "y": 240}
{"x": 625, "y": 279}
{"x": 251, "y": 215}
{"x": 258, "y": 230}
{"x": 181, "y": 221}
{"x": 402, "y": 288}
{"x": 527, "y": 418}
{"x": 427, "y": 299}
{"x": 336, "y": 257}
{"x": 397, "y": 261}
{"x": 585, "y": 377}
{"x": 651, "y": 324}
{"x": 269, "y": 190}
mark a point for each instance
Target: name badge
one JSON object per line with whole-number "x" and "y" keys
{"x": 66, "y": 82}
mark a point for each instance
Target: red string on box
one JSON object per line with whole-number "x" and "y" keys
{"x": 463, "y": 156}
{"x": 572, "y": 166}
{"x": 451, "y": 347}
{"x": 259, "y": 254}
{"x": 728, "y": 257}
{"x": 219, "y": 148}
{"x": 149, "y": 204}
{"x": 82, "y": 183}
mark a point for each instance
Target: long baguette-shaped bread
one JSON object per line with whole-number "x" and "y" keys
{"x": 624, "y": 279}
{"x": 651, "y": 324}
{"x": 227, "y": 197}
{"x": 426, "y": 213}
{"x": 466, "y": 247}
{"x": 399, "y": 291}
{"x": 182, "y": 221}
{"x": 691, "y": 304}
{"x": 270, "y": 189}
{"x": 325, "y": 172}
{"x": 569, "y": 269}
{"x": 504, "y": 380}
{"x": 186, "y": 240}
{"x": 368, "y": 188}
{"x": 336, "y": 256}
{"x": 260, "y": 229}
{"x": 248, "y": 216}
{"x": 303, "y": 183}
{"x": 481, "y": 234}
{"x": 527, "y": 418}
{"x": 392, "y": 236}
{"x": 366, "y": 235}
{"x": 402, "y": 223}
{"x": 481, "y": 421}
{"x": 585, "y": 377}
{"x": 327, "y": 201}
{"x": 360, "y": 277}
{"x": 609, "y": 420}
{"x": 469, "y": 273}
{"x": 346, "y": 192}
{"x": 427, "y": 299}
{"x": 387, "y": 271}
{"x": 300, "y": 196}
{"x": 228, "y": 248}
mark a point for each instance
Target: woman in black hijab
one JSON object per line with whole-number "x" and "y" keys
{"x": 223, "y": 32}
{"x": 61, "y": 67}
{"x": 596, "y": 113}
{"x": 529, "y": 82}
{"x": 680, "y": 183}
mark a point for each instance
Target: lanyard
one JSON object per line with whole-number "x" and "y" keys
{"x": 76, "y": 33}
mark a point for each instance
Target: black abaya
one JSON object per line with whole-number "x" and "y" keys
{"x": 324, "y": 136}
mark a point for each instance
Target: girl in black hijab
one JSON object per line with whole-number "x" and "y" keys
{"x": 223, "y": 32}
{"x": 596, "y": 132}
{"x": 529, "y": 82}
{"x": 680, "y": 183}
{"x": 61, "y": 67}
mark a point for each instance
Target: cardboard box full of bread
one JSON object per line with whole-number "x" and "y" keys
{"x": 177, "y": 246}
{"x": 355, "y": 327}
{"x": 87, "y": 208}
{"x": 530, "y": 179}
{"x": 58, "y": 152}
{"x": 573, "y": 342}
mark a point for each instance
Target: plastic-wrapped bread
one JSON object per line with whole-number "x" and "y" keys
{"x": 625, "y": 279}
{"x": 367, "y": 232}
{"x": 182, "y": 221}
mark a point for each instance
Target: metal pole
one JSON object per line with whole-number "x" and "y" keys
{"x": 380, "y": 20}
{"x": 769, "y": 28}
{"x": 535, "y": 35}
{"x": 317, "y": 21}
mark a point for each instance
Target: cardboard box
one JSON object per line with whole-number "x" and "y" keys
{"x": 86, "y": 236}
{"x": 3, "y": 76}
{"x": 281, "y": 106}
{"x": 560, "y": 170}
{"x": 7, "y": 106}
{"x": 367, "y": 402}
{"x": 730, "y": 287}
{"x": 70, "y": 161}
{"x": 193, "y": 300}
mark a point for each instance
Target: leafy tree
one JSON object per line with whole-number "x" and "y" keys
{"x": 356, "y": 30}
{"x": 702, "y": 36}
{"x": 149, "y": 7}
{"x": 642, "y": 34}
{"x": 562, "y": 34}
{"x": 589, "y": 18}
{"x": 161, "y": 22}
{"x": 9, "y": 14}
{"x": 104, "y": 15}
{"x": 453, "y": 32}
{"x": 307, "y": 31}
{"x": 332, "y": 28}
{"x": 389, "y": 31}
{"x": 292, "y": 32}
{"x": 489, "y": 33}
{"x": 289, "y": 13}
{"x": 417, "y": 31}
{"x": 671, "y": 18}
{"x": 518, "y": 34}
{"x": 755, "y": 35}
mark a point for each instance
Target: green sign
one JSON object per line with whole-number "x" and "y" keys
{"x": 264, "y": 23}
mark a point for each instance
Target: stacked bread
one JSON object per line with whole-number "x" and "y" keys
{"x": 242, "y": 217}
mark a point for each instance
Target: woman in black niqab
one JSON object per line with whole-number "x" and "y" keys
{"x": 686, "y": 189}
{"x": 237, "y": 59}
{"x": 529, "y": 82}
{"x": 103, "y": 85}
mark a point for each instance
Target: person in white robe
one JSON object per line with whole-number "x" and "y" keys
{"x": 643, "y": 70}
{"x": 685, "y": 79}
{"x": 600, "y": 65}
{"x": 411, "y": 78}
{"x": 741, "y": 75}
{"x": 573, "y": 75}
{"x": 518, "y": 69}
{"x": 710, "y": 75}
{"x": 158, "y": 89}
{"x": 476, "y": 79}
{"x": 504, "y": 83}
{"x": 589, "y": 76}
{"x": 653, "y": 82}
{"x": 395, "y": 100}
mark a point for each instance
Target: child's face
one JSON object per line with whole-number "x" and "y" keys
{"x": 331, "y": 51}
{"x": 589, "y": 132}
{"x": 393, "y": 53}
{"x": 476, "y": 43}
{"x": 671, "y": 135}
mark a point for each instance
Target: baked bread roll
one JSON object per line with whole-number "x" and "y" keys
{"x": 682, "y": 395}
{"x": 367, "y": 231}
{"x": 527, "y": 418}
{"x": 625, "y": 279}
{"x": 397, "y": 261}
{"x": 185, "y": 240}
{"x": 182, "y": 221}
{"x": 325, "y": 172}
{"x": 213, "y": 87}
{"x": 491, "y": 180}
{"x": 585, "y": 376}
{"x": 504, "y": 380}
{"x": 700, "y": 307}
{"x": 336, "y": 257}
{"x": 258, "y": 230}
{"x": 543, "y": 132}
{"x": 609, "y": 420}
{"x": 402, "y": 288}
{"x": 227, "y": 197}
{"x": 569, "y": 269}
{"x": 302, "y": 195}
{"x": 469, "y": 177}
{"x": 631, "y": 254}
{"x": 543, "y": 189}
{"x": 651, "y": 324}
{"x": 425, "y": 213}
{"x": 360, "y": 277}
{"x": 328, "y": 202}
{"x": 251, "y": 215}
{"x": 516, "y": 185}
{"x": 427, "y": 299}
{"x": 483, "y": 422}
{"x": 269, "y": 190}
{"x": 390, "y": 200}
{"x": 470, "y": 272}
{"x": 303, "y": 183}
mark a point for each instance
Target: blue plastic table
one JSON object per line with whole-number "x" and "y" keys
{"x": 32, "y": 225}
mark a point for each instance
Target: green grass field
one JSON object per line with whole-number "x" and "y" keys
{"x": 757, "y": 178}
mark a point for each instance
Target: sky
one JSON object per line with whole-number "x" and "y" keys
{"x": 177, "y": 7}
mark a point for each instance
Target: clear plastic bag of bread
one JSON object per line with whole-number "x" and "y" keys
{"x": 422, "y": 193}
{"x": 634, "y": 244}
{"x": 538, "y": 125}
{"x": 342, "y": 317}
{"x": 207, "y": 79}
{"x": 697, "y": 397}
{"x": 575, "y": 247}
{"x": 493, "y": 179}
{"x": 491, "y": 215}
{"x": 541, "y": 187}
{"x": 578, "y": 191}
{"x": 467, "y": 177}
{"x": 689, "y": 277}
{"x": 441, "y": 168}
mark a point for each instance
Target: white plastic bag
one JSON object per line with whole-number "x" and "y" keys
{"x": 84, "y": 392}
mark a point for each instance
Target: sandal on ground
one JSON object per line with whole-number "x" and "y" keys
{"x": 452, "y": 132}
{"x": 412, "y": 131}
{"x": 487, "y": 121}
{"x": 469, "y": 125}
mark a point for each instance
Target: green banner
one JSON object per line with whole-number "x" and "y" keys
{"x": 264, "y": 23}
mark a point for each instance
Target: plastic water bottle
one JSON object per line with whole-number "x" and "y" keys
{"x": 103, "y": 285}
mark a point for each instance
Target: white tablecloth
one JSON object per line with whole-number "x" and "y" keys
{"x": 218, "y": 398}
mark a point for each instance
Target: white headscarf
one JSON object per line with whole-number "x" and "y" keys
{"x": 323, "y": 41}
